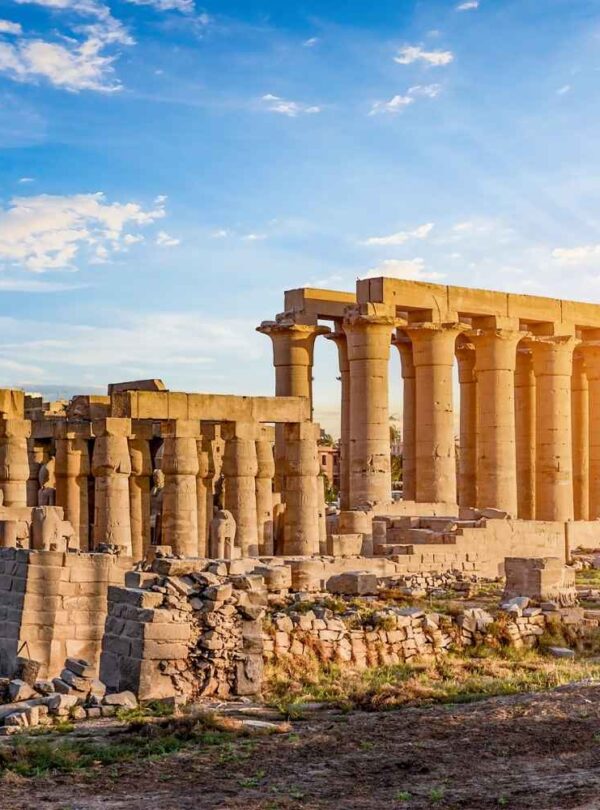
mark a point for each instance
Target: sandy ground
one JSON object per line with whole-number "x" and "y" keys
{"x": 530, "y": 751}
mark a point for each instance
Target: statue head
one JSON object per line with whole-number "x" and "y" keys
{"x": 158, "y": 479}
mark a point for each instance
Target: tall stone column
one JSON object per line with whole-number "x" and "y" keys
{"x": 301, "y": 516}
{"x": 341, "y": 341}
{"x": 14, "y": 462}
{"x": 409, "y": 416}
{"x": 293, "y": 351}
{"x": 369, "y": 339}
{"x": 467, "y": 460}
{"x": 204, "y": 495}
{"x": 433, "y": 355}
{"x": 240, "y": 467}
{"x": 72, "y": 471}
{"x": 38, "y": 454}
{"x": 111, "y": 467}
{"x": 525, "y": 429}
{"x": 264, "y": 491}
{"x": 139, "y": 489}
{"x": 553, "y": 366}
{"x": 180, "y": 502}
{"x": 590, "y": 350}
{"x": 496, "y": 359}
{"x": 580, "y": 422}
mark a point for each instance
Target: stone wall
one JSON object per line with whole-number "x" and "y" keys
{"x": 53, "y": 606}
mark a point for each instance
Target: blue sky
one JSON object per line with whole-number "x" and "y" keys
{"x": 168, "y": 169}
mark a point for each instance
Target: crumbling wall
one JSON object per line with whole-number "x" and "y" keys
{"x": 53, "y": 605}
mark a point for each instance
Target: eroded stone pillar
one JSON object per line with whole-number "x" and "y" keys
{"x": 341, "y": 341}
{"x": 240, "y": 467}
{"x": 293, "y": 351}
{"x": 111, "y": 467}
{"x": 580, "y": 422}
{"x": 591, "y": 354}
{"x": 139, "y": 489}
{"x": 369, "y": 336}
{"x": 467, "y": 459}
{"x": 496, "y": 358}
{"x": 301, "y": 516}
{"x": 409, "y": 417}
{"x": 433, "y": 356}
{"x": 14, "y": 462}
{"x": 72, "y": 470}
{"x": 204, "y": 495}
{"x": 264, "y": 491}
{"x": 179, "y": 500}
{"x": 553, "y": 366}
{"x": 525, "y": 429}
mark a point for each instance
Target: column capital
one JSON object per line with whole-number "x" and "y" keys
{"x": 369, "y": 316}
{"x": 465, "y": 357}
{"x": 340, "y": 338}
{"x": 552, "y": 355}
{"x": 590, "y": 351}
{"x": 434, "y": 343}
{"x": 405, "y": 350}
{"x": 112, "y": 426}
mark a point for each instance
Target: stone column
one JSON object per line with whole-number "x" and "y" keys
{"x": 369, "y": 338}
{"x": 293, "y": 351}
{"x": 301, "y": 516}
{"x": 496, "y": 359}
{"x": 38, "y": 454}
{"x": 264, "y": 491}
{"x": 433, "y": 355}
{"x": 525, "y": 428}
{"x": 341, "y": 341}
{"x": 14, "y": 462}
{"x": 553, "y": 367}
{"x": 580, "y": 422}
{"x": 180, "y": 502}
{"x": 139, "y": 489}
{"x": 111, "y": 467}
{"x": 467, "y": 460}
{"x": 240, "y": 467}
{"x": 590, "y": 350}
{"x": 72, "y": 476}
{"x": 204, "y": 495}
{"x": 409, "y": 415}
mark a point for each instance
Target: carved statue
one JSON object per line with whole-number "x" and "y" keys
{"x": 156, "y": 499}
{"x": 222, "y": 535}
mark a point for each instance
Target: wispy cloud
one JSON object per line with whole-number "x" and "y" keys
{"x": 8, "y": 27}
{"x": 184, "y": 6}
{"x": 283, "y": 106}
{"x": 400, "y": 238}
{"x": 415, "y": 53}
{"x": 580, "y": 254}
{"x": 254, "y": 237}
{"x": 310, "y": 43}
{"x": 469, "y": 5}
{"x": 51, "y": 232}
{"x": 26, "y": 179}
{"x": 397, "y": 103}
{"x": 564, "y": 89}
{"x": 410, "y": 269}
{"x": 163, "y": 239}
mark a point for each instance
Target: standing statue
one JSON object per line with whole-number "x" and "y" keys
{"x": 222, "y": 535}
{"x": 156, "y": 500}
{"x": 47, "y": 482}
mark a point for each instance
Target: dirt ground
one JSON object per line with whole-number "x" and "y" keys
{"x": 529, "y": 751}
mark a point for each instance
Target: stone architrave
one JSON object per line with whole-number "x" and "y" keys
{"x": 409, "y": 418}
{"x": 240, "y": 467}
{"x": 72, "y": 470}
{"x": 111, "y": 467}
{"x": 14, "y": 461}
{"x": 369, "y": 331}
{"x": 180, "y": 501}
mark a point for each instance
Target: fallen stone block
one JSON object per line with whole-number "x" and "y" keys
{"x": 80, "y": 666}
{"x": 353, "y": 583}
{"x": 344, "y": 545}
{"x": 126, "y": 700}
{"x": 19, "y": 690}
{"x": 561, "y": 652}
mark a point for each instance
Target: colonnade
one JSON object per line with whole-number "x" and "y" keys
{"x": 526, "y": 423}
{"x": 101, "y": 473}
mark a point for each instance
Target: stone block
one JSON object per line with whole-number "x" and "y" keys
{"x": 344, "y": 545}
{"x": 353, "y": 583}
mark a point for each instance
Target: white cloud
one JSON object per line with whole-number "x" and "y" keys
{"x": 220, "y": 234}
{"x": 255, "y": 237}
{"x": 282, "y": 106}
{"x": 414, "y": 53}
{"x": 163, "y": 239}
{"x": 310, "y": 43}
{"x": 8, "y": 27}
{"x": 397, "y": 103}
{"x": 48, "y": 232}
{"x": 469, "y": 5}
{"x": 564, "y": 89}
{"x": 26, "y": 179}
{"x": 581, "y": 254}
{"x": 401, "y": 237}
{"x": 184, "y": 6}
{"x": 410, "y": 269}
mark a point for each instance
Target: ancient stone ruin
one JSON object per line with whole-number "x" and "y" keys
{"x": 163, "y": 538}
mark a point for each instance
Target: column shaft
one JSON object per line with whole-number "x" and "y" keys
{"x": 591, "y": 354}
{"x": 203, "y": 497}
{"x": 72, "y": 475}
{"x": 240, "y": 467}
{"x": 111, "y": 467}
{"x": 580, "y": 421}
{"x": 496, "y": 358}
{"x": 179, "y": 500}
{"x": 369, "y": 338}
{"x": 409, "y": 408}
{"x": 433, "y": 355}
{"x": 301, "y": 516}
{"x": 553, "y": 365}
{"x": 14, "y": 462}
{"x": 525, "y": 429}
{"x": 139, "y": 495}
{"x": 264, "y": 492}
{"x": 467, "y": 460}
{"x": 339, "y": 338}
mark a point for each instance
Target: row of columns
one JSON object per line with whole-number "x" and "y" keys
{"x": 529, "y": 411}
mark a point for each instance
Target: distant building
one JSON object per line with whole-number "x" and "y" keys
{"x": 329, "y": 462}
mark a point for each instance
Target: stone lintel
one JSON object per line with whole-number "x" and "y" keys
{"x": 69, "y": 429}
{"x": 180, "y": 428}
{"x": 112, "y": 426}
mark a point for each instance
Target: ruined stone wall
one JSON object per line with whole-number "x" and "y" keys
{"x": 53, "y": 606}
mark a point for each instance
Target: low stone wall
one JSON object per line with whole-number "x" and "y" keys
{"x": 53, "y": 606}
